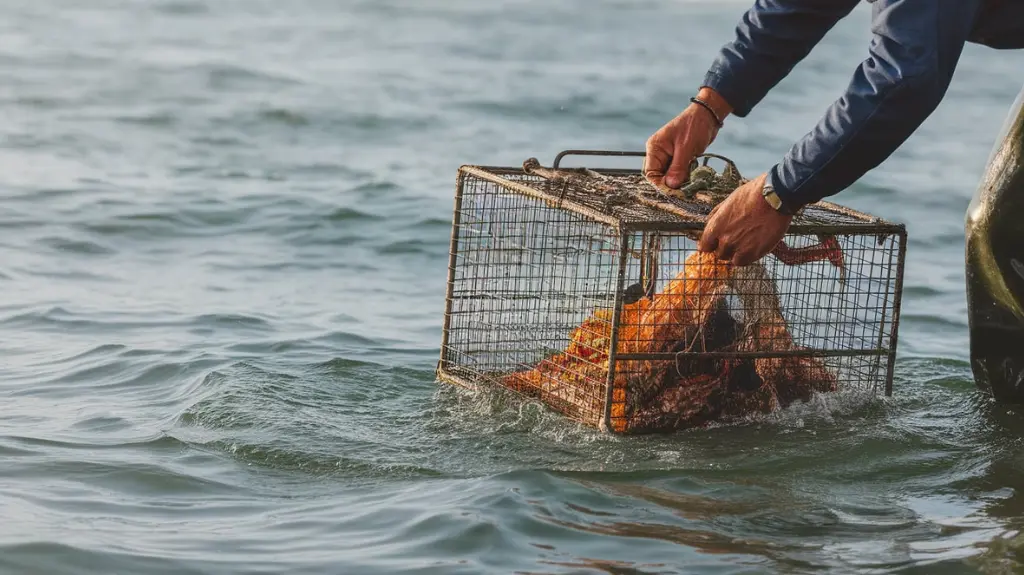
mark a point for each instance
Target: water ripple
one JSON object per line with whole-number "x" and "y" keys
{"x": 227, "y": 229}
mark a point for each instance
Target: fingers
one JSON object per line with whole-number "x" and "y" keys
{"x": 717, "y": 240}
{"x": 725, "y": 250}
{"x": 743, "y": 228}
{"x": 696, "y": 135}
{"x": 655, "y": 162}
{"x": 743, "y": 258}
{"x": 708, "y": 241}
{"x": 672, "y": 148}
{"x": 679, "y": 171}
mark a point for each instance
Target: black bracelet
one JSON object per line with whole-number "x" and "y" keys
{"x": 708, "y": 107}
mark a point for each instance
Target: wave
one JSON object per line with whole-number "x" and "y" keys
{"x": 77, "y": 247}
{"x": 181, "y": 7}
{"x": 228, "y": 76}
{"x": 60, "y": 316}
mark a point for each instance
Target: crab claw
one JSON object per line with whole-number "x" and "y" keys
{"x": 826, "y": 248}
{"x": 834, "y": 252}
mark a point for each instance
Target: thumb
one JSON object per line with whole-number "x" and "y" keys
{"x": 679, "y": 171}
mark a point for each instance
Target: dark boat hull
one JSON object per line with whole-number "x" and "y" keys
{"x": 995, "y": 266}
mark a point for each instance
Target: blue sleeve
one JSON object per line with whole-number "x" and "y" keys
{"x": 913, "y": 53}
{"x": 772, "y": 37}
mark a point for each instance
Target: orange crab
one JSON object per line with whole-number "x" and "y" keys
{"x": 689, "y": 315}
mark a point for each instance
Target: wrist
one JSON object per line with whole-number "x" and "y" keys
{"x": 777, "y": 196}
{"x": 715, "y": 101}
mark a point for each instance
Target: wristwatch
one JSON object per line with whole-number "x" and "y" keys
{"x": 773, "y": 199}
{"x": 768, "y": 191}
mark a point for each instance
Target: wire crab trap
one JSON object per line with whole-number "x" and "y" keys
{"x": 583, "y": 288}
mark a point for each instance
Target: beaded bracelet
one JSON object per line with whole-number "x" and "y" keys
{"x": 708, "y": 107}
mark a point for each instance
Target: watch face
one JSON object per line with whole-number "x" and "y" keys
{"x": 772, "y": 199}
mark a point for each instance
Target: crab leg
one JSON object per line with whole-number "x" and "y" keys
{"x": 826, "y": 248}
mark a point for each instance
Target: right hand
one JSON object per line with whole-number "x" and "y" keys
{"x": 672, "y": 148}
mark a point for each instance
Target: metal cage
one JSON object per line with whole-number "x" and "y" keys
{"x": 583, "y": 288}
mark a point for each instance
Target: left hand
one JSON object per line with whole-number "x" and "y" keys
{"x": 744, "y": 228}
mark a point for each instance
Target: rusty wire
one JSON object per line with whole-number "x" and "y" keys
{"x": 559, "y": 294}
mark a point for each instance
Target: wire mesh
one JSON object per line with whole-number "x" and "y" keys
{"x": 606, "y": 312}
{"x": 524, "y": 276}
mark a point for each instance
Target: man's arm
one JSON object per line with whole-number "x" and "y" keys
{"x": 914, "y": 51}
{"x": 772, "y": 37}
{"x": 912, "y": 56}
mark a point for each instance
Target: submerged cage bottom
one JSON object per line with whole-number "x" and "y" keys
{"x": 683, "y": 359}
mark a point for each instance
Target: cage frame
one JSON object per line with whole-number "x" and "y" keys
{"x": 494, "y": 174}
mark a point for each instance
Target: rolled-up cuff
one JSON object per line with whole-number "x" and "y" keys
{"x": 784, "y": 189}
{"x": 726, "y": 86}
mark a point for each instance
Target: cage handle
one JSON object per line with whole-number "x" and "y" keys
{"x": 608, "y": 153}
{"x": 706, "y": 157}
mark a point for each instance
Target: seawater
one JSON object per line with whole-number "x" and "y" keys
{"x": 223, "y": 245}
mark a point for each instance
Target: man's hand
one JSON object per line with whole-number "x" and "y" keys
{"x": 744, "y": 228}
{"x": 672, "y": 148}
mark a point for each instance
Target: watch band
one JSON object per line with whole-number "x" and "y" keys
{"x": 773, "y": 199}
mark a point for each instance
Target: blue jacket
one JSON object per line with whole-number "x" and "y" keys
{"x": 915, "y": 48}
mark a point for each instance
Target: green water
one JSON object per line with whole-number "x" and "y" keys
{"x": 223, "y": 248}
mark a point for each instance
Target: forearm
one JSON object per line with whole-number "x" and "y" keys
{"x": 771, "y": 38}
{"x": 913, "y": 55}
{"x": 858, "y": 132}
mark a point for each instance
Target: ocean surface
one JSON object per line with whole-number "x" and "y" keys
{"x": 223, "y": 245}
